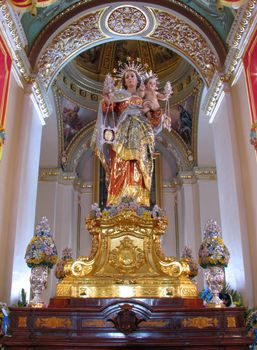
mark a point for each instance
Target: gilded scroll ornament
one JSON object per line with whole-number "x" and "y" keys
{"x": 53, "y": 322}
{"x": 126, "y": 261}
{"x": 179, "y": 34}
{"x": 77, "y": 35}
{"x": 200, "y": 322}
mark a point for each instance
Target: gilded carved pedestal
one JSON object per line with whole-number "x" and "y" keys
{"x": 126, "y": 260}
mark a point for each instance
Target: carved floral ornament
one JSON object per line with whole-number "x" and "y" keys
{"x": 127, "y": 20}
{"x": 187, "y": 40}
{"x": 72, "y": 39}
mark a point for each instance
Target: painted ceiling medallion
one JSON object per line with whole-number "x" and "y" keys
{"x": 127, "y": 20}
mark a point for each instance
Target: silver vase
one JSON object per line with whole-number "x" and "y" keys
{"x": 215, "y": 277}
{"x": 38, "y": 283}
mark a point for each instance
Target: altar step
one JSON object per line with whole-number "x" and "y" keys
{"x": 149, "y": 323}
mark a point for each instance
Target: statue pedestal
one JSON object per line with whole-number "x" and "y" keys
{"x": 126, "y": 260}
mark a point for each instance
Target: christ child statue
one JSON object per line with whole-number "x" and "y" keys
{"x": 151, "y": 98}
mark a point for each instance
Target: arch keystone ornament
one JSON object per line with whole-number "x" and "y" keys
{"x": 127, "y": 20}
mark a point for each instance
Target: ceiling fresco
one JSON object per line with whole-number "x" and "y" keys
{"x": 99, "y": 60}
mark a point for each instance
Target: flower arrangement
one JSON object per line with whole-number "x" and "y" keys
{"x": 59, "y": 270}
{"x": 4, "y": 318}
{"x": 253, "y": 135}
{"x": 2, "y": 135}
{"x": 127, "y": 202}
{"x": 188, "y": 257}
{"x": 251, "y": 324}
{"x": 213, "y": 251}
{"x": 41, "y": 250}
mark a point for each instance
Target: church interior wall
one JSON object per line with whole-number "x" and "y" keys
{"x": 205, "y": 145}
{"x": 7, "y": 179}
{"x": 49, "y": 147}
{"x": 247, "y": 158}
{"x": 19, "y": 175}
{"x": 231, "y": 199}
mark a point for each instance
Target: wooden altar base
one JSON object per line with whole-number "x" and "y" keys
{"x": 149, "y": 323}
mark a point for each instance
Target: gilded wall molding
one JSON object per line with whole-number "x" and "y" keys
{"x": 56, "y": 175}
{"x": 73, "y": 38}
{"x": 180, "y": 35}
{"x": 198, "y": 173}
{"x": 205, "y": 173}
{"x": 244, "y": 25}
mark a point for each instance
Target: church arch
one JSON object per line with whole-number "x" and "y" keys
{"x": 171, "y": 26}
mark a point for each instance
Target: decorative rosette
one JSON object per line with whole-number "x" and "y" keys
{"x": 188, "y": 257}
{"x": 59, "y": 270}
{"x": 253, "y": 135}
{"x": 213, "y": 251}
{"x": 41, "y": 250}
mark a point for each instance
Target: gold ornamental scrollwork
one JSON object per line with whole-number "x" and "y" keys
{"x": 71, "y": 39}
{"x": 177, "y": 33}
{"x": 126, "y": 257}
{"x": 53, "y": 322}
{"x": 231, "y": 322}
{"x": 173, "y": 268}
{"x": 126, "y": 260}
{"x": 200, "y": 322}
{"x": 22, "y": 322}
{"x": 81, "y": 268}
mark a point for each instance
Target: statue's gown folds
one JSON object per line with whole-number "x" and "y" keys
{"x": 129, "y": 160}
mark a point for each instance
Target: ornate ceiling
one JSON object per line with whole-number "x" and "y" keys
{"x": 72, "y": 45}
{"x": 220, "y": 17}
{"x": 75, "y": 44}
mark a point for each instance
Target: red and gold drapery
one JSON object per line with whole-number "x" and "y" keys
{"x": 5, "y": 69}
{"x": 250, "y": 65}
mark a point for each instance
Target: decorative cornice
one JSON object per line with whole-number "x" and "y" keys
{"x": 65, "y": 44}
{"x": 245, "y": 24}
{"x": 14, "y": 35}
{"x": 57, "y": 175}
{"x": 208, "y": 173}
{"x": 198, "y": 173}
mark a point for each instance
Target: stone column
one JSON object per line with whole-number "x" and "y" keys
{"x": 191, "y": 212}
{"x": 231, "y": 196}
{"x": 23, "y": 199}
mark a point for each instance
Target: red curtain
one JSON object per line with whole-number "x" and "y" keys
{"x": 5, "y": 69}
{"x": 250, "y": 64}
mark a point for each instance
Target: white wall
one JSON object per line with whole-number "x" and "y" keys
{"x": 20, "y": 185}
{"x": 248, "y": 164}
{"x": 232, "y": 198}
{"x": 7, "y": 176}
